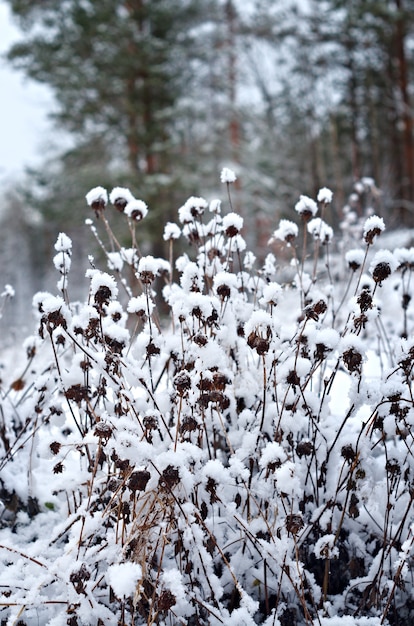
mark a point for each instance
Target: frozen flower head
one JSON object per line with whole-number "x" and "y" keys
{"x": 215, "y": 206}
{"x": 232, "y": 224}
{"x": 320, "y": 230}
{"x": 272, "y": 457}
{"x": 149, "y": 268}
{"x": 119, "y": 197}
{"x": 63, "y": 243}
{"x": 287, "y": 231}
{"x": 269, "y": 265}
{"x": 405, "y": 258}
{"x": 55, "y": 311}
{"x": 136, "y": 210}
{"x": 352, "y": 349}
{"x": 62, "y": 262}
{"x": 236, "y": 244}
{"x": 382, "y": 266}
{"x": 249, "y": 260}
{"x": 171, "y": 231}
{"x": 271, "y": 294}
{"x": 194, "y": 207}
{"x": 115, "y": 261}
{"x": 124, "y": 578}
{"x": 140, "y": 306}
{"x": 227, "y": 176}
{"x": 373, "y": 227}
{"x": 325, "y": 548}
{"x": 306, "y": 207}
{"x": 258, "y": 330}
{"x": 8, "y": 292}
{"x": 97, "y": 199}
{"x": 103, "y": 287}
{"x": 354, "y": 258}
{"x": 326, "y": 340}
{"x": 325, "y": 196}
{"x": 225, "y": 284}
{"x": 191, "y": 278}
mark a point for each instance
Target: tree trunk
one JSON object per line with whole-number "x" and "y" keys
{"x": 407, "y": 119}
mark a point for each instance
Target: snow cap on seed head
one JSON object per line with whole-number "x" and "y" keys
{"x": 136, "y": 210}
{"x": 232, "y": 224}
{"x": 97, "y": 199}
{"x": 119, "y": 197}
{"x": 306, "y": 207}
{"x": 383, "y": 265}
{"x": 227, "y": 175}
{"x": 192, "y": 208}
{"x": 325, "y": 195}
{"x": 171, "y": 231}
{"x": 373, "y": 226}
{"x": 287, "y": 231}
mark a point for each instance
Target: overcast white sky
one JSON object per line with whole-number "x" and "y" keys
{"x": 23, "y": 110}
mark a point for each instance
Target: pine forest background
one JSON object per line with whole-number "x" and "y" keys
{"x": 159, "y": 95}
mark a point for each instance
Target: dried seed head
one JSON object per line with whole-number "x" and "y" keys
{"x": 258, "y": 343}
{"x": 114, "y": 345}
{"x": 182, "y": 382}
{"x": 232, "y": 224}
{"x": 348, "y": 453}
{"x": 373, "y": 227}
{"x": 77, "y": 393}
{"x": 150, "y": 422}
{"x": 58, "y": 468}
{"x": 287, "y": 232}
{"x": 215, "y": 397}
{"x": 393, "y": 467}
{"x": 353, "y": 360}
{"x": 320, "y": 351}
{"x": 147, "y": 277}
{"x": 122, "y": 464}
{"x": 365, "y": 300}
{"x": 55, "y": 446}
{"x": 103, "y": 430}
{"x": 166, "y": 600}
{"x": 355, "y": 259}
{"x": 188, "y": 425}
{"x": 97, "y": 199}
{"x": 193, "y": 208}
{"x": 136, "y": 210}
{"x": 217, "y": 382}
{"x": 200, "y": 339}
{"x": 304, "y": 448}
{"x": 138, "y": 480}
{"x": 294, "y": 523}
{"x": 223, "y": 291}
{"x": 79, "y": 577}
{"x": 18, "y": 384}
{"x": 211, "y": 489}
{"x": 169, "y": 478}
{"x": 152, "y": 349}
{"x": 306, "y": 207}
{"x": 102, "y": 295}
{"x": 320, "y": 307}
{"x": 119, "y": 197}
{"x": 380, "y": 272}
{"x": 292, "y": 378}
{"x": 353, "y": 509}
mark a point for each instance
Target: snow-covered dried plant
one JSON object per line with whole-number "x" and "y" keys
{"x": 230, "y": 447}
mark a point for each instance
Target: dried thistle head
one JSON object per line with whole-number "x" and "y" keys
{"x": 119, "y": 197}
{"x": 97, "y": 199}
{"x": 373, "y": 227}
